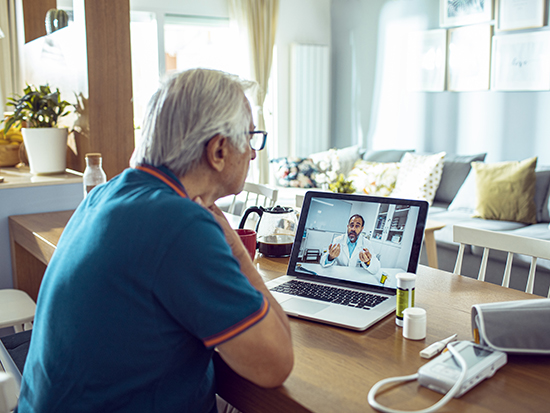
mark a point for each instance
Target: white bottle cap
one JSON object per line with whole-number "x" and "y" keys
{"x": 414, "y": 323}
{"x": 405, "y": 279}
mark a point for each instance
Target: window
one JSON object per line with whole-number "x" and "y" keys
{"x": 207, "y": 42}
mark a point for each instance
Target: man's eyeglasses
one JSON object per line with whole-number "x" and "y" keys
{"x": 257, "y": 139}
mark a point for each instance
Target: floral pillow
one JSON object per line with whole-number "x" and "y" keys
{"x": 374, "y": 178}
{"x": 295, "y": 172}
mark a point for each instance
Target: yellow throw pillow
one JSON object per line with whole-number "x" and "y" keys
{"x": 506, "y": 191}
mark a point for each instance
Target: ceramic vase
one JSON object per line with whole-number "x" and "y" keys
{"x": 46, "y": 149}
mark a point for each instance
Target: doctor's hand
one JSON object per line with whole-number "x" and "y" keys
{"x": 333, "y": 251}
{"x": 365, "y": 256}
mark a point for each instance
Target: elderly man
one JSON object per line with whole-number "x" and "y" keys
{"x": 352, "y": 250}
{"x": 149, "y": 279}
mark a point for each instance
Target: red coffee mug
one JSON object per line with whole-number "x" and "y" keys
{"x": 248, "y": 238}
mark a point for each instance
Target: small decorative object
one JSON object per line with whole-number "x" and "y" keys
{"x": 55, "y": 20}
{"x": 45, "y": 143}
{"x": 9, "y": 146}
{"x": 342, "y": 185}
{"x": 93, "y": 174}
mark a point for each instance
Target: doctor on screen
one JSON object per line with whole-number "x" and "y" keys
{"x": 353, "y": 249}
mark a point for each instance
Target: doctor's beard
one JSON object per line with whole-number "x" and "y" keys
{"x": 352, "y": 236}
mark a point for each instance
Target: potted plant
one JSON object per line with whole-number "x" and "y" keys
{"x": 45, "y": 143}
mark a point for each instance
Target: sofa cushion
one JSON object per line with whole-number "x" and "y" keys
{"x": 506, "y": 190}
{"x": 539, "y": 231}
{"x": 455, "y": 171}
{"x": 419, "y": 176}
{"x": 387, "y": 155}
{"x": 465, "y": 199}
{"x": 374, "y": 178}
{"x": 464, "y": 218}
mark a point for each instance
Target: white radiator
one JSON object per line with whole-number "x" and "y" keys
{"x": 309, "y": 99}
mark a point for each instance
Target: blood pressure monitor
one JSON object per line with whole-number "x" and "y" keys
{"x": 441, "y": 373}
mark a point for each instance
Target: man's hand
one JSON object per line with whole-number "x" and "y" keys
{"x": 365, "y": 256}
{"x": 231, "y": 236}
{"x": 333, "y": 251}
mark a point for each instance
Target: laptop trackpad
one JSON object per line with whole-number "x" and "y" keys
{"x": 295, "y": 305}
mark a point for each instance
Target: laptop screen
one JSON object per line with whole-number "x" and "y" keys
{"x": 357, "y": 239}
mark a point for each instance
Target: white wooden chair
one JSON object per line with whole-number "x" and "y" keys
{"x": 9, "y": 393}
{"x": 254, "y": 194}
{"x": 512, "y": 244}
{"x": 16, "y": 310}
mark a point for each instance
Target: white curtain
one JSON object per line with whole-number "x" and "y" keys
{"x": 11, "y": 19}
{"x": 258, "y": 18}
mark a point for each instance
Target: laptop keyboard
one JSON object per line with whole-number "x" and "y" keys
{"x": 335, "y": 295}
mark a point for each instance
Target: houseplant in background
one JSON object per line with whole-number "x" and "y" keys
{"x": 45, "y": 142}
{"x": 342, "y": 185}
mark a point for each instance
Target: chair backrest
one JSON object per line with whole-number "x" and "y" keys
{"x": 512, "y": 244}
{"x": 254, "y": 194}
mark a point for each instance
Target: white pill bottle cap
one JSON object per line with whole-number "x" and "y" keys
{"x": 414, "y": 323}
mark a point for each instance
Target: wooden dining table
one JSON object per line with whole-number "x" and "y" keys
{"x": 335, "y": 368}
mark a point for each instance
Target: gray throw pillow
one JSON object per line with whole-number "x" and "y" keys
{"x": 455, "y": 171}
{"x": 387, "y": 155}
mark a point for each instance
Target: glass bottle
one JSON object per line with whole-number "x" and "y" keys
{"x": 93, "y": 174}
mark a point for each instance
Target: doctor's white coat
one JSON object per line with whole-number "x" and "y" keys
{"x": 353, "y": 261}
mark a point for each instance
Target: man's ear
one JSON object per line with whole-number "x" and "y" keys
{"x": 216, "y": 152}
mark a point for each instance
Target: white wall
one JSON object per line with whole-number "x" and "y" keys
{"x": 354, "y": 46}
{"x": 506, "y": 125}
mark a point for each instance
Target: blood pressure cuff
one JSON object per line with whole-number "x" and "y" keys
{"x": 513, "y": 326}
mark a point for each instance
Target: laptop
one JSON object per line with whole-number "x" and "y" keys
{"x": 353, "y": 284}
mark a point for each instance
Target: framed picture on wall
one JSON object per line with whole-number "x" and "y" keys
{"x": 520, "y": 14}
{"x": 426, "y": 55}
{"x": 521, "y": 62}
{"x": 469, "y": 58}
{"x": 464, "y": 12}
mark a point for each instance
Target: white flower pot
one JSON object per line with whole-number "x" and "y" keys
{"x": 46, "y": 149}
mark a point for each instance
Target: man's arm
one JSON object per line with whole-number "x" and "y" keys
{"x": 262, "y": 354}
{"x": 325, "y": 262}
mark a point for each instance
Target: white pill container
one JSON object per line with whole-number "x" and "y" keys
{"x": 414, "y": 323}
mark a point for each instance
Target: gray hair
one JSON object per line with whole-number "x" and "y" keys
{"x": 189, "y": 109}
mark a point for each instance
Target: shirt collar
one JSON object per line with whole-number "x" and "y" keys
{"x": 166, "y": 176}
